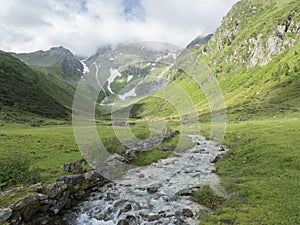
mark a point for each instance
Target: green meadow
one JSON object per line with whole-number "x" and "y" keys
{"x": 260, "y": 173}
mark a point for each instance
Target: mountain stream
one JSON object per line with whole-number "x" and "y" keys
{"x": 160, "y": 193}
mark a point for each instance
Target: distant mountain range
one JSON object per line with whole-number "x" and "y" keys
{"x": 57, "y": 61}
{"x": 253, "y": 54}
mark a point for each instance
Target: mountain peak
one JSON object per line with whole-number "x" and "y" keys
{"x": 58, "y": 60}
{"x": 200, "y": 40}
{"x": 61, "y": 51}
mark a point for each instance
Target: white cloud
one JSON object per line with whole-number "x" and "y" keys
{"x": 84, "y": 25}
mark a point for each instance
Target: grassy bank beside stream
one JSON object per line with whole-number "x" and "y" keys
{"x": 260, "y": 173}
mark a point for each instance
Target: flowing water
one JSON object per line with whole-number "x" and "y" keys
{"x": 156, "y": 194}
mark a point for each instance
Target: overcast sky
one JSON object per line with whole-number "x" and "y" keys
{"x": 84, "y": 25}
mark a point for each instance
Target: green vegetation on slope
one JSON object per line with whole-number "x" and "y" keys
{"x": 57, "y": 61}
{"x": 21, "y": 90}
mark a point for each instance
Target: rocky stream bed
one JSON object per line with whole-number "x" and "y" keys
{"x": 161, "y": 193}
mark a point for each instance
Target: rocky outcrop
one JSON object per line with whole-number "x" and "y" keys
{"x": 242, "y": 40}
{"x": 48, "y": 204}
{"x": 137, "y": 148}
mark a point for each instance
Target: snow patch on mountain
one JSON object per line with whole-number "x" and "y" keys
{"x": 129, "y": 78}
{"x": 131, "y": 93}
{"x": 114, "y": 73}
{"x": 170, "y": 54}
{"x": 85, "y": 67}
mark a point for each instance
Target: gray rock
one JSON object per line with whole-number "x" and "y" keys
{"x": 72, "y": 180}
{"x": 116, "y": 156}
{"x": 29, "y": 200}
{"x": 5, "y": 214}
{"x": 222, "y": 149}
{"x": 30, "y": 210}
{"x": 127, "y": 208}
{"x": 173, "y": 133}
{"x": 153, "y": 217}
{"x": 188, "y": 191}
{"x": 40, "y": 220}
{"x": 216, "y": 159}
{"x": 74, "y": 167}
{"x": 102, "y": 170}
{"x": 152, "y": 190}
{"x": 61, "y": 202}
{"x": 141, "y": 175}
{"x": 53, "y": 190}
{"x": 100, "y": 216}
{"x": 187, "y": 213}
{"x": 123, "y": 222}
{"x": 197, "y": 151}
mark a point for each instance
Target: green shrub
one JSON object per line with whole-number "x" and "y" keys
{"x": 15, "y": 170}
{"x": 208, "y": 198}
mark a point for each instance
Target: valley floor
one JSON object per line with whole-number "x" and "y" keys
{"x": 260, "y": 171}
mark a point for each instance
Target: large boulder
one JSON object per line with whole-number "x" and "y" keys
{"x": 29, "y": 205}
{"x": 61, "y": 202}
{"x": 53, "y": 190}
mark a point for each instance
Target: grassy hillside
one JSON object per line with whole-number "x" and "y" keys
{"x": 25, "y": 92}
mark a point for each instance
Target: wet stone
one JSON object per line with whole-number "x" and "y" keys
{"x": 153, "y": 217}
{"x": 127, "y": 208}
{"x": 152, "y": 190}
{"x": 187, "y": 213}
{"x": 123, "y": 222}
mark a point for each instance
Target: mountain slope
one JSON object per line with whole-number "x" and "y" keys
{"x": 57, "y": 61}
{"x": 257, "y": 69}
{"x": 21, "y": 90}
{"x": 131, "y": 70}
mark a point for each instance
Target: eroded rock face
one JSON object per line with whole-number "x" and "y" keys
{"x": 257, "y": 47}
